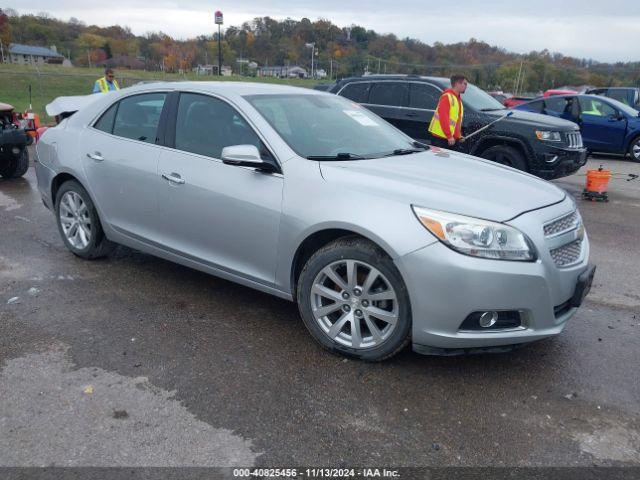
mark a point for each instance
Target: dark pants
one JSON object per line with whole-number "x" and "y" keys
{"x": 443, "y": 143}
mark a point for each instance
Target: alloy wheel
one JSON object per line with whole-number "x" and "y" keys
{"x": 75, "y": 220}
{"x": 354, "y": 304}
{"x": 636, "y": 151}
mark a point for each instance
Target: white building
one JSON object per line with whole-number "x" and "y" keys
{"x": 30, "y": 55}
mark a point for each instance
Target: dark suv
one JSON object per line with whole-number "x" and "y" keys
{"x": 544, "y": 146}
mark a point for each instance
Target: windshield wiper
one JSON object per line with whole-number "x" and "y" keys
{"x": 338, "y": 156}
{"x": 492, "y": 109}
{"x": 404, "y": 151}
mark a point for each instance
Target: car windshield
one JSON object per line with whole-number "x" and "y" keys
{"x": 480, "y": 100}
{"x": 623, "y": 107}
{"x": 330, "y": 127}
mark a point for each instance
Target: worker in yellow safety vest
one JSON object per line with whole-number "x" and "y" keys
{"x": 108, "y": 83}
{"x": 446, "y": 124}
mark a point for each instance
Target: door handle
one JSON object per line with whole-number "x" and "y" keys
{"x": 173, "y": 178}
{"x": 412, "y": 114}
{"x": 97, "y": 156}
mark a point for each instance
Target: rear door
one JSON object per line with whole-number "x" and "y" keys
{"x": 423, "y": 101}
{"x": 603, "y": 127}
{"x": 389, "y": 100}
{"x": 120, "y": 158}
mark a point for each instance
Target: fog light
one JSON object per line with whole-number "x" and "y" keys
{"x": 491, "y": 320}
{"x": 488, "y": 319}
{"x": 15, "y": 150}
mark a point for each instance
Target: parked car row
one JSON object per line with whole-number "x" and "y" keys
{"x": 607, "y": 125}
{"x": 309, "y": 196}
{"x": 546, "y": 147}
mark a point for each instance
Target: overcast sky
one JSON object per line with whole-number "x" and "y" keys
{"x": 603, "y": 30}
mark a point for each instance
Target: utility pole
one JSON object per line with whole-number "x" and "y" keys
{"x": 312, "y": 46}
{"x": 219, "y": 22}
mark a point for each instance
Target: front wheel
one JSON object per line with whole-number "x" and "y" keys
{"x": 353, "y": 301}
{"x": 634, "y": 150}
{"x": 79, "y": 224}
{"x": 506, "y": 155}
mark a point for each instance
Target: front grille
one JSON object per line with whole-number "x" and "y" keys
{"x": 563, "y": 224}
{"x": 568, "y": 254}
{"x": 574, "y": 140}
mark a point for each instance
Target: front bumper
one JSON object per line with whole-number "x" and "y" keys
{"x": 556, "y": 162}
{"x": 446, "y": 286}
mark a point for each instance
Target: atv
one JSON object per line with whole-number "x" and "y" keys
{"x": 14, "y": 139}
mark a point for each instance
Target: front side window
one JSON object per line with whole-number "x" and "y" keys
{"x": 328, "y": 126}
{"x": 138, "y": 117}
{"x": 205, "y": 125}
{"x": 394, "y": 94}
{"x": 424, "y": 96}
{"x": 596, "y": 108}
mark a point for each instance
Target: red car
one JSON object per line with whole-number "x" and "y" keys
{"x": 552, "y": 92}
{"x": 515, "y": 101}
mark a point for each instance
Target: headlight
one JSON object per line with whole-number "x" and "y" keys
{"x": 475, "y": 237}
{"x": 548, "y": 136}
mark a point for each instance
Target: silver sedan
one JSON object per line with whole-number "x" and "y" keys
{"x": 382, "y": 241}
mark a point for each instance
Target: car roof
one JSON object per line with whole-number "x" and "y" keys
{"x": 368, "y": 78}
{"x": 226, "y": 87}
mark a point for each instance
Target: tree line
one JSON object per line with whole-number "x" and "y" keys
{"x": 340, "y": 51}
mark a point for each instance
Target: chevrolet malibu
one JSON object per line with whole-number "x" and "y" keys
{"x": 381, "y": 241}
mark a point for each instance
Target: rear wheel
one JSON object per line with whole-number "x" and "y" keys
{"x": 16, "y": 166}
{"x": 353, "y": 301}
{"x": 634, "y": 150}
{"x": 79, "y": 224}
{"x": 506, "y": 155}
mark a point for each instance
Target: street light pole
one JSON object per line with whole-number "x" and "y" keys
{"x": 312, "y": 46}
{"x": 219, "y": 21}
{"x": 219, "y": 52}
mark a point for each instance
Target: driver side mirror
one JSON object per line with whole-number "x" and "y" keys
{"x": 246, "y": 156}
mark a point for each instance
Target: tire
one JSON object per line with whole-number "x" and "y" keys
{"x": 389, "y": 315}
{"x": 506, "y": 155}
{"x": 634, "y": 150}
{"x": 15, "y": 167}
{"x": 74, "y": 204}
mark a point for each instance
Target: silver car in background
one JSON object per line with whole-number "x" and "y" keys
{"x": 380, "y": 240}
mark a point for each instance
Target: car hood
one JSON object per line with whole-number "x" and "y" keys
{"x": 537, "y": 120}
{"x": 447, "y": 181}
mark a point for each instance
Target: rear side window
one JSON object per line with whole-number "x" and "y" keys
{"x": 558, "y": 105}
{"x": 105, "y": 123}
{"x": 138, "y": 117}
{"x": 205, "y": 125}
{"x": 358, "y": 92}
{"x": 537, "y": 107}
{"x": 395, "y": 94}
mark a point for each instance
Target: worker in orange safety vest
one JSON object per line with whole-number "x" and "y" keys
{"x": 446, "y": 124}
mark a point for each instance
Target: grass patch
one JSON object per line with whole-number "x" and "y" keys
{"x": 51, "y": 81}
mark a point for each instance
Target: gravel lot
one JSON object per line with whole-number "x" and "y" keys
{"x": 135, "y": 361}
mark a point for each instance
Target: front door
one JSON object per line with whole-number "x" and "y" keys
{"x": 603, "y": 127}
{"x": 120, "y": 158}
{"x": 224, "y": 216}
